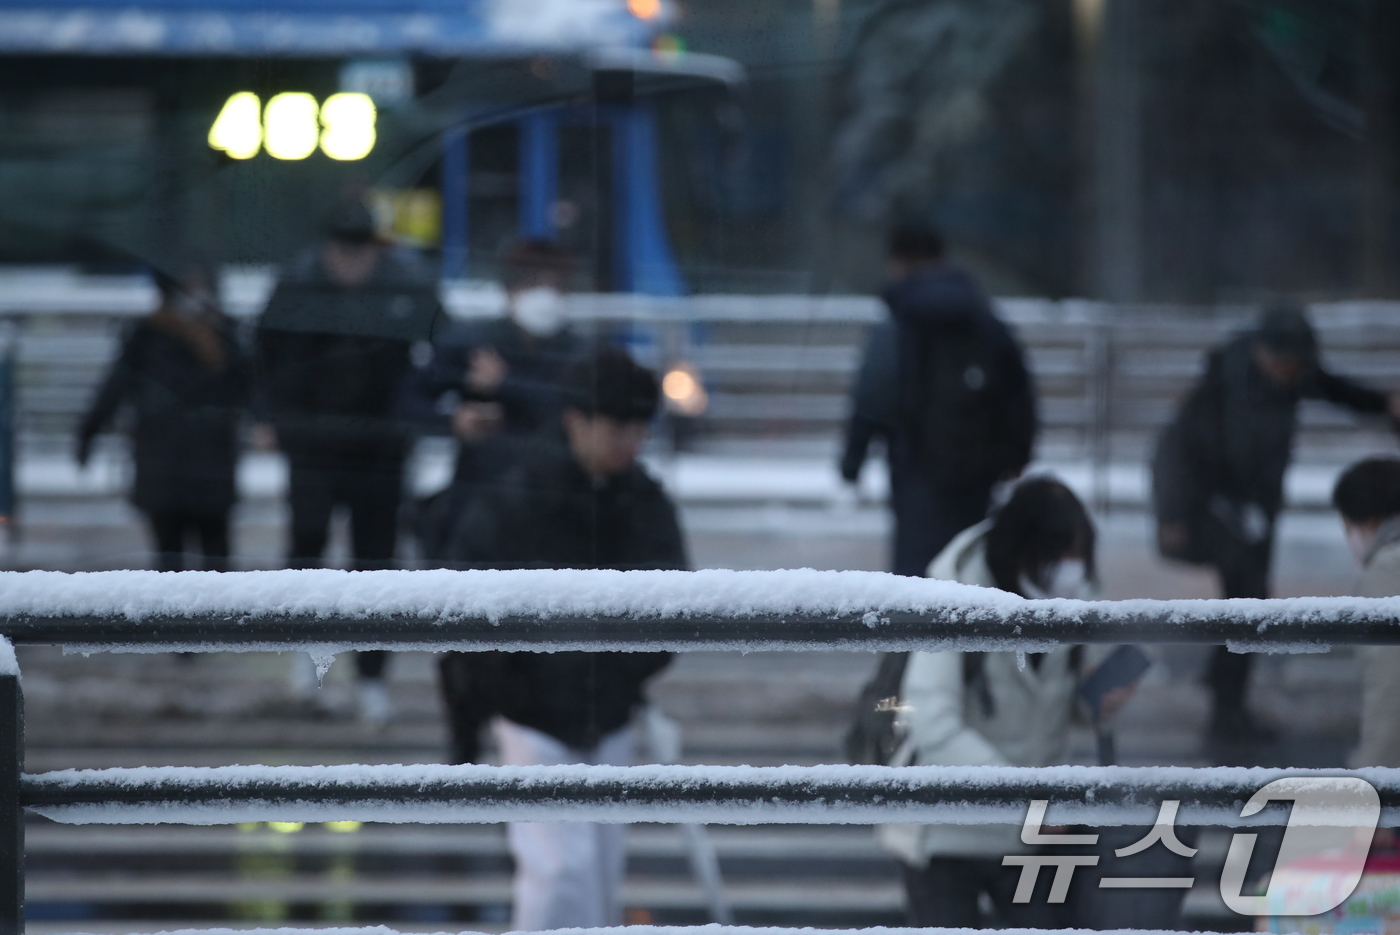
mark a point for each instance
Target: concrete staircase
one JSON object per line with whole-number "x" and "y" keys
{"x": 120, "y": 710}
{"x": 761, "y": 709}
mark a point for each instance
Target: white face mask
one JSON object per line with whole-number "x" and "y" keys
{"x": 1068, "y": 578}
{"x": 539, "y": 310}
{"x": 1360, "y": 540}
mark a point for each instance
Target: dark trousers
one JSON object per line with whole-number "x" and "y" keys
{"x": 372, "y": 497}
{"x": 944, "y": 894}
{"x": 1093, "y": 907}
{"x": 170, "y": 527}
{"x": 466, "y": 712}
{"x": 1243, "y": 569}
{"x": 928, "y": 514}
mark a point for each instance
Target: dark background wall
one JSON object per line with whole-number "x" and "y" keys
{"x": 1264, "y": 141}
{"x": 1197, "y": 150}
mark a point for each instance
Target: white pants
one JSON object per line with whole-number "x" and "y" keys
{"x": 567, "y": 874}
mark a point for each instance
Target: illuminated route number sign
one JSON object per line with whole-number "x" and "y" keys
{"x": 292, "y": 125}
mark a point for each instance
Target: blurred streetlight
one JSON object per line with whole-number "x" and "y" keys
{"x": 684, "y": 391}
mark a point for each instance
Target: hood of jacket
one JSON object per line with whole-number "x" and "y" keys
{"x": 940, "y": 296}
{"x": 964, "y": 559}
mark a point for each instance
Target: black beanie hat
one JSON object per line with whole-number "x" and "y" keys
{"x": 1284, "y": 328}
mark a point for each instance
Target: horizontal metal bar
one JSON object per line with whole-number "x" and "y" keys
{"x": 326, "y": 611}
{"x": 703, "y": 794}
{"x": 646, "y": 929}
{"x": 1032, "y": 627}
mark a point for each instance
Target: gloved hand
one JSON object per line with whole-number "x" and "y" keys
{"x": 83, "y": 450}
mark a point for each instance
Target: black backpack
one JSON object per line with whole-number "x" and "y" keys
{"x": 873, "y": 737}
{"x": 955, "y": 402}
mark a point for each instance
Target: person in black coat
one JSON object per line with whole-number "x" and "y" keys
{"x": 182, "y": 371}
{"x": 495, "y": 382}
{"x": 1218, "y": 471}
{"x": 333, "y": 352}
{"x": 944, "y": 384}
{"x": 577, "y": 499}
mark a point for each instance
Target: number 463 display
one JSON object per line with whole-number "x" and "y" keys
{"x": 291, "y": 126}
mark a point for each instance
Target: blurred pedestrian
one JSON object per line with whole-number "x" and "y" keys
{"x": 182, "y": 372}
{"x": 993, "y": 708}
{"x": 1368, "y": 497}
{"x": 493, "y": 383}
{"x": 1217, "y": 475}
{"x": 944, "y": 384}
{"x": 333, "y": 349}
{"x": 579, "y": 499}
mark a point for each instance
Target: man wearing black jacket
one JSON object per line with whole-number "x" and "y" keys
{"x": 1218, "y": 472}
{"x": 944, "y": 383}
{"x": 576, "y": 501}
{"x": 333, "y": 347}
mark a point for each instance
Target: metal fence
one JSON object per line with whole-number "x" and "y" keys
{"x": 778, "y": 368}
{"x": 325, "y": 612}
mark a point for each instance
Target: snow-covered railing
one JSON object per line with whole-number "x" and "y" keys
{"x": 324, "y": 612}
{"x": 673, "y": 930}
{"x": 730, "y": 795}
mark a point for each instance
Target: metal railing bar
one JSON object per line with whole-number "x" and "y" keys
{"x": 705, "y": 794}
{"x": 647, "y": 930}
{"x": 1295, "y": 625}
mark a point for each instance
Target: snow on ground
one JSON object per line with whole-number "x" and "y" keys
{"x": 690, "y": 478}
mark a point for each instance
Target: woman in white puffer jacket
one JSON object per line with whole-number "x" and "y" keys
{"x": 988, "y": 709}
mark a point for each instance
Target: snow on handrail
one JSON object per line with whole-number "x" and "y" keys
{"x": 699, "y": 794}
{"x": 328, "y": 611}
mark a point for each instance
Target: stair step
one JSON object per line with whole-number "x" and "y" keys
{"x": 854, "y": 842}
{"x": 809, "y": 894}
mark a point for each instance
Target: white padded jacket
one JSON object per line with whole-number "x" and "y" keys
{"x": 1011, "y": 717}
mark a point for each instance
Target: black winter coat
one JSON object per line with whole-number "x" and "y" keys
{"x": 874, "y": 398}
{"x": 1233, "y": 435}
{"x": 946, "y": 384}
{"x": 332, "y": 361}
{"x": 531, "y": 399}
{"x": 550, "y": 514}
{"x": 185, "y": 433}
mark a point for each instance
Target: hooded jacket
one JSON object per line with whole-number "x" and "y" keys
{"x": 1006, "y": 716}
{"x": 946, "y": 384}
{"x": 185, "y": 434}
{"x": 1229, "y": 446}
